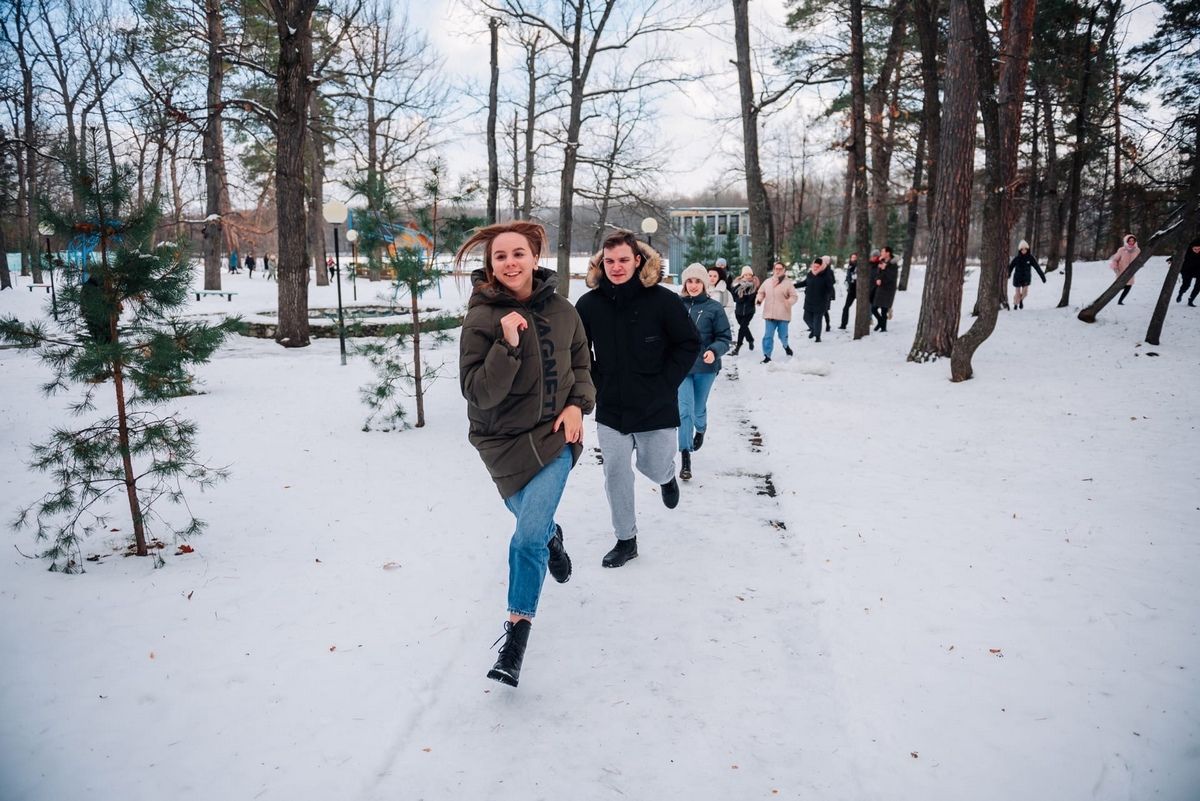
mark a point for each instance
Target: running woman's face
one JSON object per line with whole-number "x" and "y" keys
{"x": 619, "y": 263}
{"x": 694, "y": 287}
{"x": 513, "y": 263}
{"x": 778, "y": 270}
{"x": 713, "y": 277}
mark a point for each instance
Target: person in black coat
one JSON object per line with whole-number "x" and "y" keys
{"x": 819, "y": 288}
{"x": 1190, "y": 272}
{"x": 642, "y": 344}
{"x": 851, "y": 289}
{"x": 1021, "y": 268}
{"x": 745, "y": 290}
{"x": 884, "y": 278}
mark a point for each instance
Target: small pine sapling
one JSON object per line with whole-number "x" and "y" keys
{"x": 115, "y": 325}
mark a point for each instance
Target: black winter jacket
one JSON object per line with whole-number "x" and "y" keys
{"x": 1191, "y": 261}
{"x": 888, "y": 276}
{"x": 643, "y": 344}
{"x": 744, "y": 295}
{"x": 1021, "y": 268}
{"x": 819, "y": 290}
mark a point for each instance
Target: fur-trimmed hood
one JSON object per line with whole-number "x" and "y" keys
{"x": 650, "y": 272}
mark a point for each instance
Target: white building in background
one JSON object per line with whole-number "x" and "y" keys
{"x": 718, "y": 222}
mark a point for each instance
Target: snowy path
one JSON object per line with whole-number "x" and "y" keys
{"x": 700, "y": 657}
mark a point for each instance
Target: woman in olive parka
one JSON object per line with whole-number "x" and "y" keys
{"x": 525, "y": 371}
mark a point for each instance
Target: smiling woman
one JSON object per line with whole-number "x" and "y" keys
{"x": 525, "y": 370}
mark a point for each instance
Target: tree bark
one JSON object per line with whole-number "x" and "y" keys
{"x": 881, "y": 151}
{"x": 293, "y": 21}
{"x": 858, "y": 123}
{"x": 213, "y": 148}
{"x": 530, "y": 118}
{"x": 1000, "y": 101}
{"x": 493, "y": 196}
{"x": 315, "y": 228}
{"x": 848, "y": 202}
{"x": 762, "y": 245}
{"x": 1057, "y": 202}
{"x": 914, "y": 205}
{"x": 927, "y": 13}
{"x": 941, "y": 299}
{"x": 1154, "y": 331}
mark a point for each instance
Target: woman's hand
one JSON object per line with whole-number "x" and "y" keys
{"x": 512, "y": 324}
{"x": 571, "y": 422}
{"x": 709, "y": 357}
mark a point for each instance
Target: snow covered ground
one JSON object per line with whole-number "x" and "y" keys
{"x": 879, "y": 585}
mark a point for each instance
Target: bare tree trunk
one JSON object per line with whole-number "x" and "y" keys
{"x": 881, "y": 155}
{"x": 941, "y": 300}
{"x": 1035, "y": 181}
{"x": 213, "y": 148}
{"x": 316, "y": 191}
{"x": 762, "y": 245}
{"x": 177, "y": 192}
{"x": 530, "y": 117}
{"x": 848, "y": 203}
{"x": 858, "y": 112}
{"x": 1000, "y": 101}
{"x": 516, "y": 167}
{"x": 1120, "y": 217}
{"x": 1081, "y": 122}
{"x": 1154, "y": 331}
{"x": 1100, "y": 228}
{"x": 293, "y": 21}
{"x": 493, "y": 196}
{"x": 926, "y": 17}
{"x": 914, "y": 205}
{"x": 1057, "y": 202}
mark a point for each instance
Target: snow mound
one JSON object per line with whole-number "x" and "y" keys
{"x": 810, "y": 367}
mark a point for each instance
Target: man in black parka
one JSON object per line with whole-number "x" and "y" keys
{"x": 643, "y": 343}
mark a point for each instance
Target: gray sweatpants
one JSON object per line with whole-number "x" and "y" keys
{"x": 655, "y": 460}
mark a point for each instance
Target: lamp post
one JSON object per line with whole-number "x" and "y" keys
{"x": 352, "y": 238}
{"x": 335, "y": 214}
{"x": 45, "y": 229}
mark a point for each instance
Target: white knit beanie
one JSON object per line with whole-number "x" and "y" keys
{"x": 1023, "y": 245}
{"x": 698, "y": 271}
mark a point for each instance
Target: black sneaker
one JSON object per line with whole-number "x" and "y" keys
{"x": 752, "y": 344}
{"x": 697, "y": 440}
{"x": 788, "y": 351}
{"x": 621, "y": 553}
{"x": 670, "y": 493}
{"x": 685, "y": 465}
{"x": 507, "y": 669}
{"x": 766, "y": 359}
{"x": 559, "y": 563}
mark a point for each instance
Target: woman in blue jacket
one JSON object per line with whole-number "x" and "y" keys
{"x": 713, "y": 325}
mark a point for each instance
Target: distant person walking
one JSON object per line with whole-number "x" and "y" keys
{"x": 643, "y": 345}
{"x": 525, "y": 372}
{"x": 818, "y": 293}
{"x": 233, "y": 261}
{"x": 851, "y": 289}
{"x": 1022, "y": 267}
{"x": 250, "y": 264}
{"x": 745, "y": 289}
{"x": 269, "y": 266}
{"x": 717, "y": 289}
{"x": 886, "y": 277}
{"x": 712, "y": 323}
{"x": 1190, "y": 272}
{"x": 1125, "y": 256}
{"x": 777, "y": 296}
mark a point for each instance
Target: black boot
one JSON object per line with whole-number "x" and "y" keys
{"x": 751, "y": 340}
{"x": 735, "y": 350}
{"x": 685, "y": 465}
{"x": 622, "y": 552}
{"x": 670, "y": 493}
{"x": 1124, "y": 294}
{"x": 697, "y": 440}
{"x": 787, "y": 350}
{"x": 507, "y": 669}
{"x": 559, "y": 563}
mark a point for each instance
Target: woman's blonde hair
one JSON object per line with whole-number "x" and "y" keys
{"x": 533, "y": 232}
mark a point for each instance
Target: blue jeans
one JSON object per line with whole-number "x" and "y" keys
{"x": 693, "y": 406}
{"x": 773, "y": 327}
{"x": 534, "y": 507}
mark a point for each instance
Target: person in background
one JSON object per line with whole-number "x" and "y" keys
{"x": 717, "y": 289}
{"x": 1190, "y": 271}
{"x": 525, "y": 372}
{"x": 885, "y": 279}
{"x": 745, "y": 288}
{"x": 777, "y": 296}
{"x": 250, "y": 264}
{"x": 818, "y": 290}
{"x": 233, "y": 261}
{"x": 722, "y": 268}
{"x": 269, "y": 266}
{"x": 712, "y": 323}
{"x": 851, "y": 289}
{"x": 1125, "y": 256}
{"x": 643, "y": 345}
{"x": 1021, "y": 268}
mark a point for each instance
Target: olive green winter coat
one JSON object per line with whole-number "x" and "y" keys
{"x": 514, "y": 394}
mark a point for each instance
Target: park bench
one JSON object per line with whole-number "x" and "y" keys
{"x": 39, "y": 286}
{"x": 229, "y": 295}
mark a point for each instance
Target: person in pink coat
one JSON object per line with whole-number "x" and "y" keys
{"x": 1120, "y": 260}
{"x": 777, "y": 296}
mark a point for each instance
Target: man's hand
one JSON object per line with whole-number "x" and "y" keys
{"x": 513, "y": 324}
{"x": 709, "y": 357}
{"x": 571, "y": 422}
